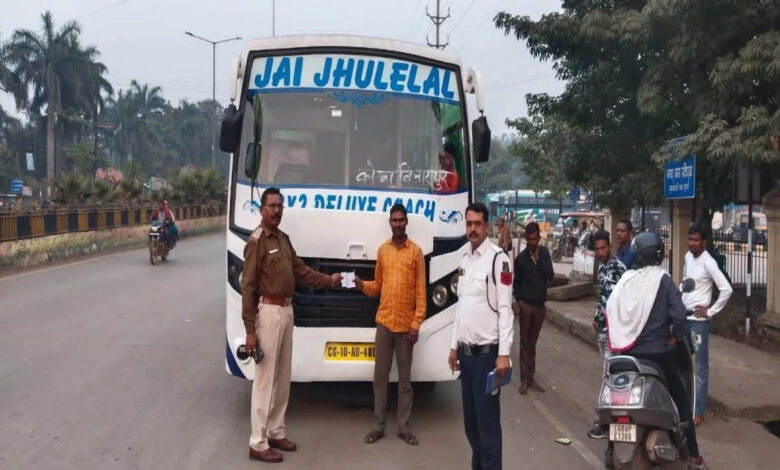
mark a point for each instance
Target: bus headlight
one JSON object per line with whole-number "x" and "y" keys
{"x": 439, "y": 295}
{"x": 454, "y": 284}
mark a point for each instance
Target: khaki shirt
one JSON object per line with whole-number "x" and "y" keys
{"x": 504, "y": 238}
{"x": 271, "y": 268}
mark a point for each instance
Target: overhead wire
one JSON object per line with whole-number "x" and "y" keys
{"x": 462, "y": 16}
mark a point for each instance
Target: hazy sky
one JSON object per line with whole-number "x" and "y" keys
{"x": 145, "y": 40}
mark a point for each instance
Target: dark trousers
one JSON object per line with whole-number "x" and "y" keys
{"x": 386, "y": 343}
{"x": 677, "y": 379}
{"x": 531, "y": 319}
{"x": 481, "y": 411}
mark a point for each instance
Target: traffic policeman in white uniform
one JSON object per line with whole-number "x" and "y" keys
{"x": 482, "y": 336}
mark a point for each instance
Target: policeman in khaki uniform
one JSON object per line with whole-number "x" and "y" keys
{"x": 271, "y": 268}
{"x": 482, "y": 336}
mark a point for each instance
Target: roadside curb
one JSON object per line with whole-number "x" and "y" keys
{"x": 23, "y": 255}
{"x": 575, "y": 327}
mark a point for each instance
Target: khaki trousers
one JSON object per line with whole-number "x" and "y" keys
{"x": 271, "y": 387}
{"x": 386, "y": 343}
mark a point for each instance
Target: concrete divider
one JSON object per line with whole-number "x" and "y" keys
{"x": 34, "y": 252}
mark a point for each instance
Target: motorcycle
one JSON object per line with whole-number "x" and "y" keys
{"x": 644, "y": 424}
{"x": 158, "y": 248}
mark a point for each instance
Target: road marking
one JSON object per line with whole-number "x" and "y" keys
{"x": 584, "y": 452}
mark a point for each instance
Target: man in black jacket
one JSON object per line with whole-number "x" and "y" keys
{"x": 533, "y": 272}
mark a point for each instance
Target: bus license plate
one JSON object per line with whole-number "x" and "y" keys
{"x": 361, "y": 352}
{"x": 622, "y": 432}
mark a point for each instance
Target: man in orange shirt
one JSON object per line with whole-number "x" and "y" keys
{"x": 400, "y": 279}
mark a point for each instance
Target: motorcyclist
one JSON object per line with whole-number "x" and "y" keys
{"x": 644, "y": 306}
{"x": 164, "y": 215}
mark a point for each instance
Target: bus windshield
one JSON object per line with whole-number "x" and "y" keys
{"x": 353, "y": 137}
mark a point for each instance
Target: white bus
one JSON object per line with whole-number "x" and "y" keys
{"x": 347, "y": 126}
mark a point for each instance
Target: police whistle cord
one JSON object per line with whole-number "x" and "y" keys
{"x": 506, "y": 279}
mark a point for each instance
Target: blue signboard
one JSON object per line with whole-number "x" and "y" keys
{"x": 17, "y": 185}
{"x": 680, "y": 178}
{"x": 574, "y": 194}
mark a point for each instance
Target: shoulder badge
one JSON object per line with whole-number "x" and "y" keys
{"x": 506, "y": 275}
{"x": 256, "y": 235}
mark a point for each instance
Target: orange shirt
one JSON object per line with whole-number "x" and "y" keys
{"x": 400, "y": 279}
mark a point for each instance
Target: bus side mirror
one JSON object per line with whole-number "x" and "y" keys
{"x": 480, "y": 135}
{"x": 230, "y": 133}
{"x": 252, "y": 162}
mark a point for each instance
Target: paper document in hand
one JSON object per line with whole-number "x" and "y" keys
{"x": 348, "y": 280}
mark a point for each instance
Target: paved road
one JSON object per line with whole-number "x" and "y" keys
{"x": 113, "y": 363}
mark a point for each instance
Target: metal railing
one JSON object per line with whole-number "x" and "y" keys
{"x": 23, "y": 224}
{"x": 732, "y": 256}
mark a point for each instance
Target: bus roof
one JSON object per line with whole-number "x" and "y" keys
{"x": 338, "y": 40}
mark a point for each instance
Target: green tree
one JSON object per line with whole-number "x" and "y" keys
{"x": 545, "y": 148}
{"x": 132, "y": 109}
{"x": 501, "y": 172}
{"x": 42, "y": 62}
{"x": 642, "y": 72}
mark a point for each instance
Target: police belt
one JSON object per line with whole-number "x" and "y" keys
{"x": 478, "y": 349}
{"x": 280, "y": 301}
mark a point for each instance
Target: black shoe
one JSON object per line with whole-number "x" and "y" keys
{"x": 598, "y": 432}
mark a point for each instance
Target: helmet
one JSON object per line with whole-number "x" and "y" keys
{"x": 647, "y": 249}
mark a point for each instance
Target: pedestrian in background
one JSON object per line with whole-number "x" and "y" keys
{"x": 610, "y": 271}
{"x": 703, "y": 269}
{"x": 271, "y": 268}
{"x": 533, "y": 273}
{"x": 624, "y": 231}
{"x": 399, "y": 280}
{"x": 482, "y": 337}
{"x": 504, "y": 237}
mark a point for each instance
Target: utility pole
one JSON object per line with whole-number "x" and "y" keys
{"x": 213, "y": 90}
{"x": 437, "y": 21}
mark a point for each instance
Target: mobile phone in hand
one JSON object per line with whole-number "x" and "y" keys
{"x": 258, "y": 355}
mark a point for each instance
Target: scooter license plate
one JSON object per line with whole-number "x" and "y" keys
{"x": 622, "y": 432}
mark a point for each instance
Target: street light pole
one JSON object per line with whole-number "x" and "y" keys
{"x": 213, "y": 90}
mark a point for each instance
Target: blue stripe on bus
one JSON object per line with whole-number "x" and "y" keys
{"x": 266, "y": 91}
{"x": 232, "y": 364}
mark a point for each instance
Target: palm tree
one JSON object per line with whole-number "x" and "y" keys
{"x": 9, "y": 81}
{"x": 44, "y": 62}
{"x": 96, "y": 87}
{"x": 132, "y": 109}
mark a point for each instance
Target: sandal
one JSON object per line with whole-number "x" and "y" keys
{"x": 697, "y": 420}
{"x": 408, "y": 437}
{"x": 374, "y": 436}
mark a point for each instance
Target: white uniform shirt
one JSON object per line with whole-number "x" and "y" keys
{"x": 705, "y": 272}
{"x": 475, "y": 322}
